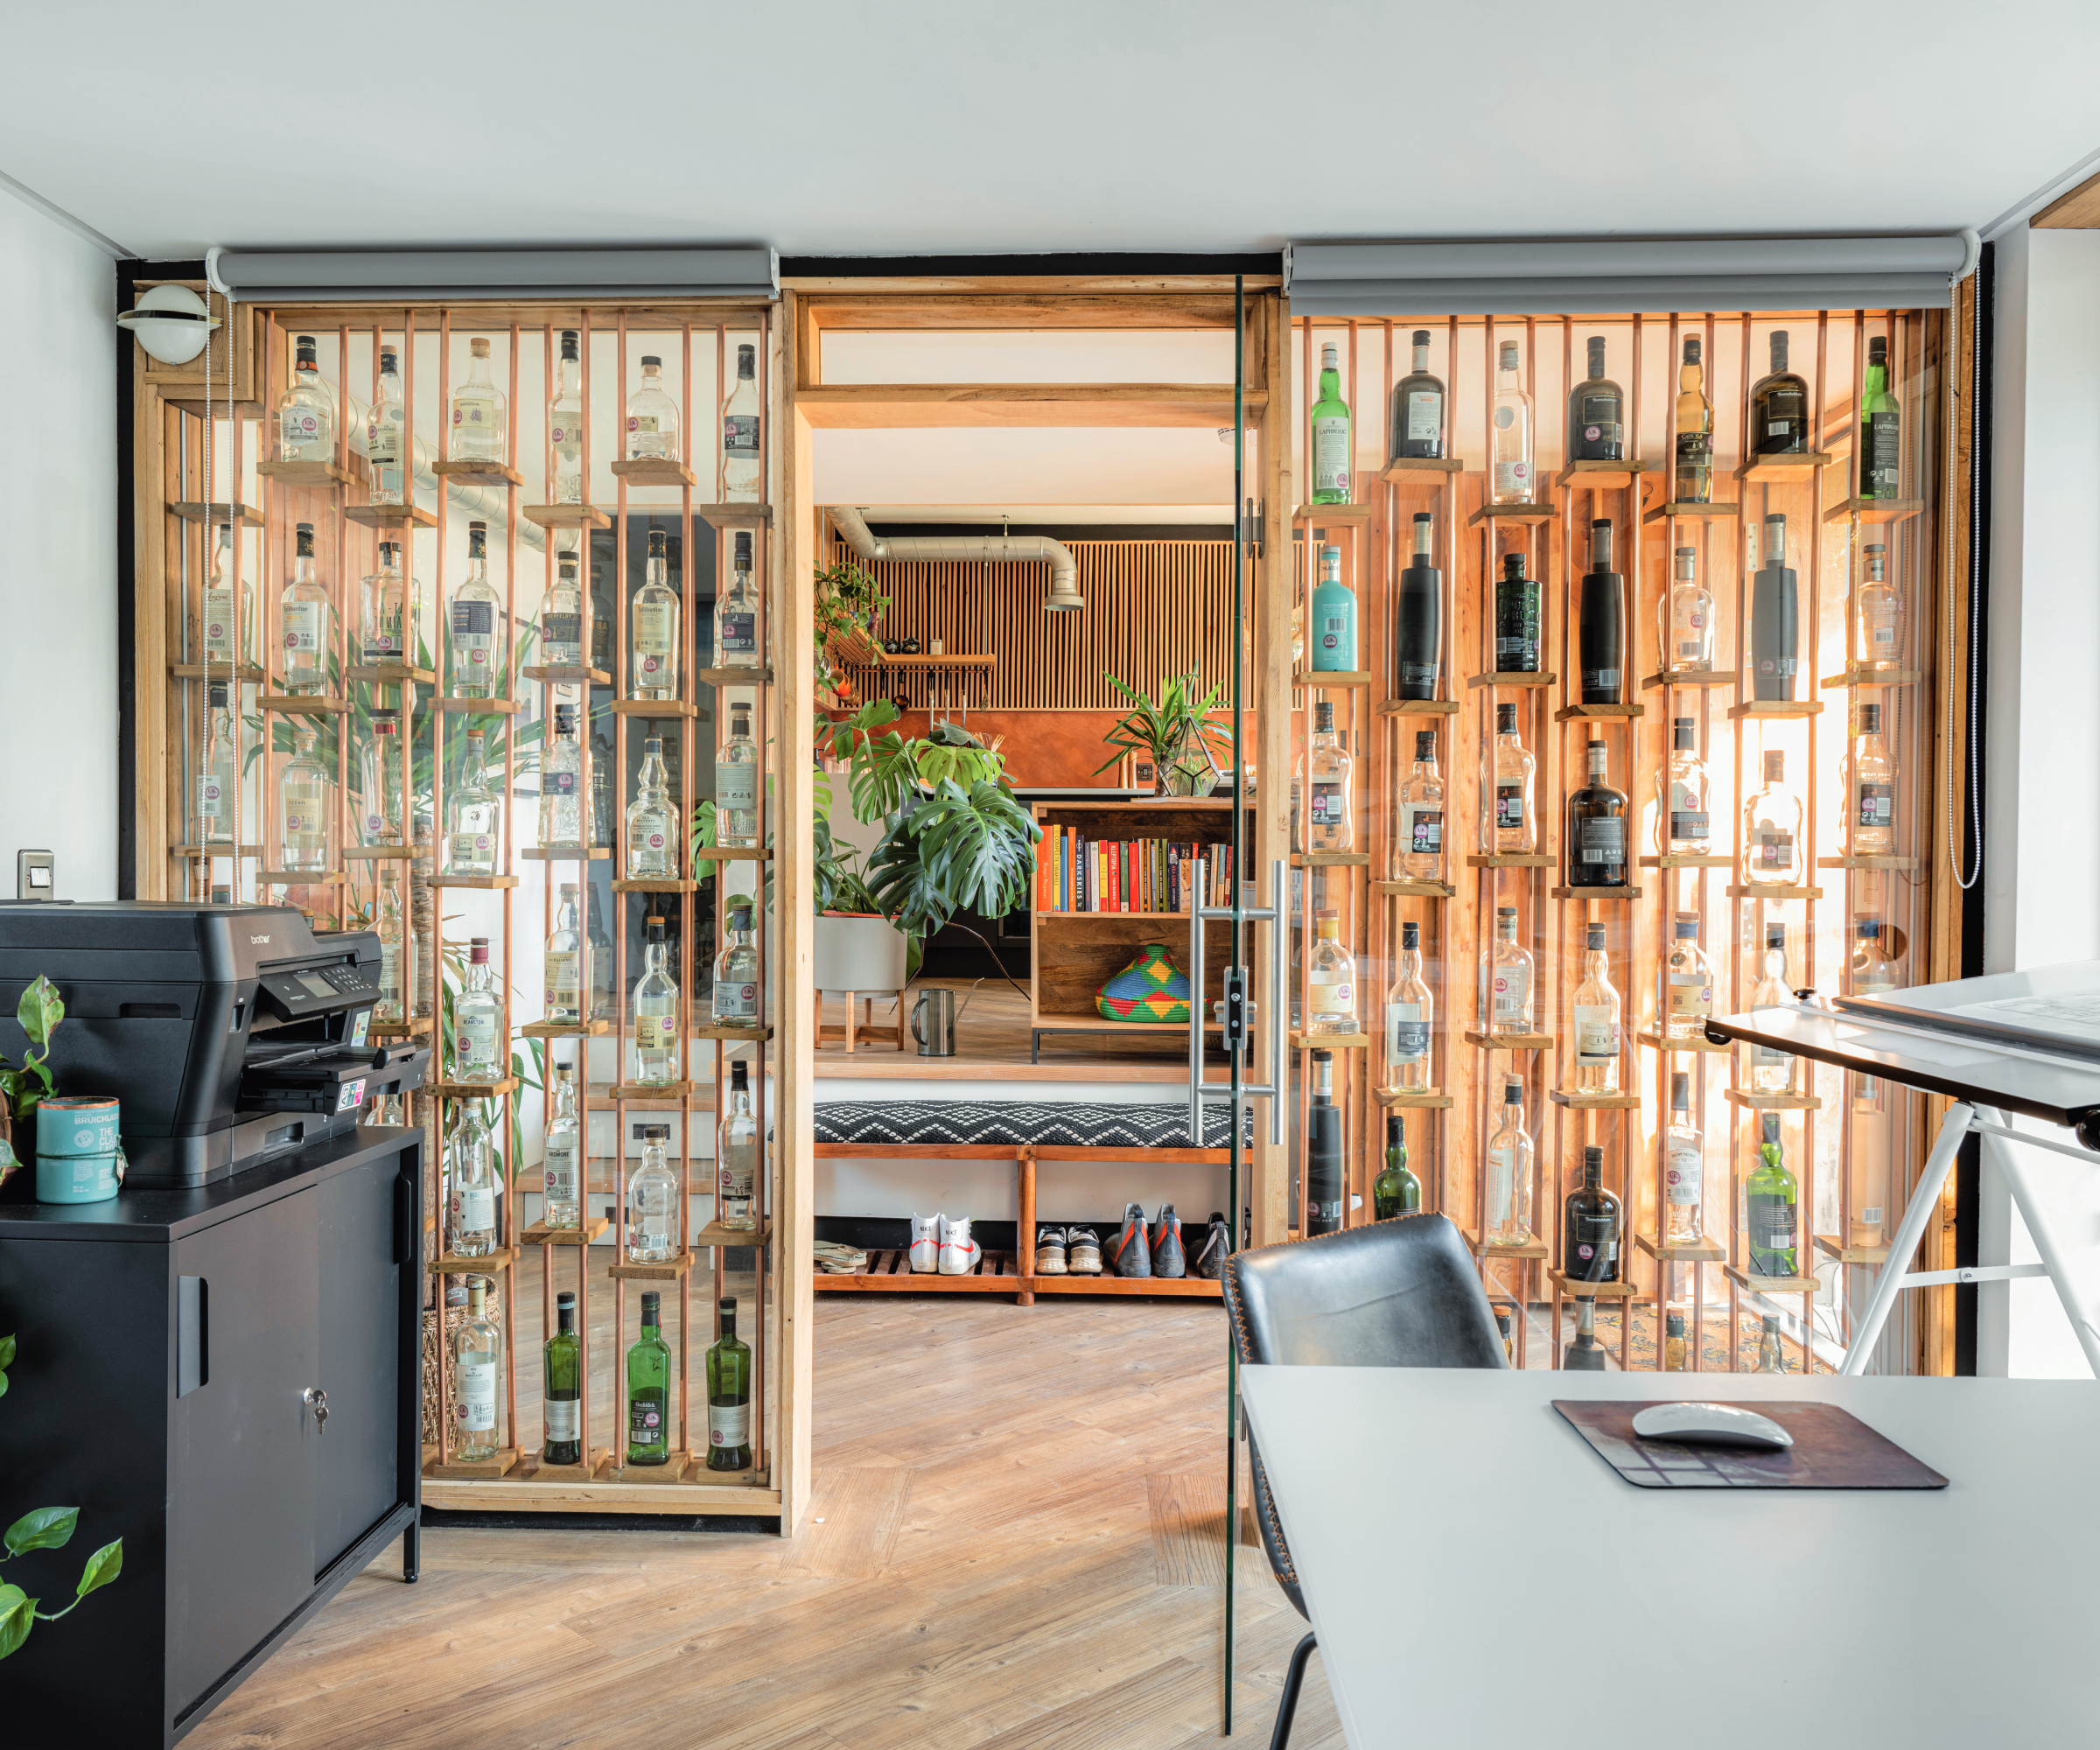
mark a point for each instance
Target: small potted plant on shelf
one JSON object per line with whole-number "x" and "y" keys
{"x": 1177, "y": 734}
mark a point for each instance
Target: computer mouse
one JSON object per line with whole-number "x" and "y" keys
{"x": 1710, "y": 1424}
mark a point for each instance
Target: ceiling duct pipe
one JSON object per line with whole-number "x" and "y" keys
{"x": 1064, "y": 597}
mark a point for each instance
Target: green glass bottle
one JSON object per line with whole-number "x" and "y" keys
{"x": 1773, "y": 1209}
{"x": 649, "y": 1391}
{"x": 564, "y": 1410}
{"x": 1881, "y": 430}
{"x": 1396, "y": 1191}
{"x": 729, "y": 1398}
{"x": 1332, "y": 451}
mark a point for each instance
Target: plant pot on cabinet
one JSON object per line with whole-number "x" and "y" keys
{"x": 861, "y": 953}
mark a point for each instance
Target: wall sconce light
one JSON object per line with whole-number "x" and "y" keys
{"x": 171, "y": 323}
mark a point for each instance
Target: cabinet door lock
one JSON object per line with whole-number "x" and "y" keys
{"x": 316, "y": 1401}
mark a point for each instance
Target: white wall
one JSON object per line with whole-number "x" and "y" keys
{"x": 2042, "y": 875}
{"x": 57, "y": 562}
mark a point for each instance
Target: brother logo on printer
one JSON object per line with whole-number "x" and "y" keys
{"x": 257, "y": 941}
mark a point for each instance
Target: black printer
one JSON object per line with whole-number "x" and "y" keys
{"x": 229, "y": 1033}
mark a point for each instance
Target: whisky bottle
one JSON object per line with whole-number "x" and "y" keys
{"x": 477, "y": 1359}
{"x": 1686, "y": 998}
{"x": 303, "y": 797}
{"x": 735, "y": 1002}
{"x": 1596, "y": 413}
{"x": 1684, "y": 1167}
{"x": 1419, "y": 408}
{"x": 381, "y": 790}
{"x": 1877, "y": 614}
{"x": 1771, "y": 827}
{"x": 564, "y": 961}
{"x": 1585, "y": 1353}
{"x": 1772, "y": 1205}
{"x": 656, "y": 1038}
{"x": 565, "y": 424}
{"x": 1881, "y": 421}
{"x": 305, "y": 410}
{"x": 1506, "y": 981}
{"x": 396, "y": 950}
{"x": 480, "y": 422}
{"x": 1509, "y": 442}
{"x": 1410, "y": 1010}
{"x": 1512, "y": 827}
{"x": 653, "y": 626}
{"x": 1603, "y": 622}
{"x": 1396, "y": 1191}
{"x": 1596, "y": 1008}
{"x": 474, "y": 816}
{"x": 1516, "y": 629}
{"x": 1418, "y": 620}
{"x": 383, "y": 442}
{"x": 308, "y": 617}
{"x": 1873, "y": 973}
{"x": 561, "y": 1156}
{"x": 563, "y": 1362}
{"x": 1323, "y": 1150}
{"x": 561, "y": 618}
{"x": 649, "y": 1384}
{"x": 1597, "y": 828}
{"x": 480, "y": 1053}
{"x": 219, "y": 773}
{"x": 737, "y": 612}
{"x": 562, "y": 785}
{"x": 737, "y": 1156}
{"x": 1590, "y": 1232}
{"x": 728, "y": 1393}
{"x": 1870, "y": 783}
{"x": 1420, "y": 841}
{"x": 1676, "y": 1357}
{"x": 229, "y": 628}
{"x": 1692, "y": 422}
{"x": 1329, "y": 819}
{"x": 1687, "y": 618}
{"x": 1333, "y": 455}
{"x": 741, "y": 429}
{"x": 654, "y": 1231}
{"x": 1333, "y": 618}
{"x": 1771, "y": 1358}
{"x": 1773, "y": 1071}
{"x": 1330, "y": 979}
{"x": 476, "y": 610}
{"x": 391, "y": 609}
{"x": 1779, "y": 407}
{"x": 1684, "y": 827}
{"x": 1510, "y": 1162}
{"x": 470, "y": 1230}
{"x": 652, "y": 818}
{"x": 652, "y": 417}
{"x": 1774, "y": 617}
{"x": 737, "y": 784}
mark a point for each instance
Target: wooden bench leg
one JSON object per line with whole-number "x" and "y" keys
{"x": 852, "y": 1020}
{"x": 1025, "y": 1161}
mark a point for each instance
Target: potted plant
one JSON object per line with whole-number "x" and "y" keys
{"x": 1176, "y": 733}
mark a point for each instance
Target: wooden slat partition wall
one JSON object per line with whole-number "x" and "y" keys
{"x": 1155, "y": 609}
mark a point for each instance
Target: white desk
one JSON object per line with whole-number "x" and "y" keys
{"x": 1476, "y": 1573}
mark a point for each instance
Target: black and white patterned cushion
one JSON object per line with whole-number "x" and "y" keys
{"x": 1007, "y": 1122}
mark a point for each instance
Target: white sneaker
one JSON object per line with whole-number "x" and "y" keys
{"x": 925, "y": 1243}
{"x": 960, "y": 1255}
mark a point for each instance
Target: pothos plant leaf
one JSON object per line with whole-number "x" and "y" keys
{"x": 40, "y": 1010}
{"x": 104, "y": 1566}
{"x": 48, "y": 1528}
{"x": 18, "y": 1611}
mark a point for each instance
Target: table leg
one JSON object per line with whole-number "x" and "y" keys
{"x": 2045, "y": 1240}
{"x": 1024, "y": 1261}
{"x": 1909, "y": 1232}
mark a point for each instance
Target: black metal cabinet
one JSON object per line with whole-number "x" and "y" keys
{"x": 227, "y": 1377}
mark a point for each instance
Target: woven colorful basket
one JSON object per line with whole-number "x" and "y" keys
{"x": 1151, "y": 988}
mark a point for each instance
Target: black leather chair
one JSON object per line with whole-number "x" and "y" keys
{"x": 1398, "y": 1293}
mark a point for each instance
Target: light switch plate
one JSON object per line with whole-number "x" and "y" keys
{"x": 35, "y": 877}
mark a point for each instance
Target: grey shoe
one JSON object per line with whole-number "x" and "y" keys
{"x": 1209, "y": 1261}
{"x": 1133, "y": 1250}
{"x": 1050, "y": 1250}
{"x": 1169, "y": 1259}
{"x": 1082, "y": 1252}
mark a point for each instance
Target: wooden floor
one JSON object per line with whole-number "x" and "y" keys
{"x": 1017, "y": 1544}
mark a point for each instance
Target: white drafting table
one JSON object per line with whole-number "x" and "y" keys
{"x": 2025, "y": 1042}
{"x": 1419, "y": 1504}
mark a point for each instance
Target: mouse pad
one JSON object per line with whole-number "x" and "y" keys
{"x": 1832, "y": 1449}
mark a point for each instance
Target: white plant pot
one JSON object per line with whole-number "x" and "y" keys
{"x": 859, "y": 953}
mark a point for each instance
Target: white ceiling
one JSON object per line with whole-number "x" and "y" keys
{"x": 832, "y": 127}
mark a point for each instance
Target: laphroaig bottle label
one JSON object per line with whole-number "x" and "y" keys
{"x": 1406, "y": 1034}
{"x": 1883, "y": 456}
{"x": 1423, "y": 827}
{"x": 1331, "y": 454}
{"x": 741, "y": 435}
{"x": 739, "y": 632}
{"x": 564, "y": 1420}
{"x": 737, "y": 786}
{"x": 1771, "y": 1225}
{"x": 1596, "y": 1037}
{"x": 645, "y": 1422}
{"x": 1690, "y": 995}
{"x": 1682, "y": 1175}
{"x": 561, "y": 1171}
{"x": 303, "y": 627}
{"x": 474, "y": 1396}
{"x": 473, "y": 636}
{"x": 729, "y": 1425}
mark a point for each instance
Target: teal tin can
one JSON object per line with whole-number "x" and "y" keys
{"x": 78, "y": 1150}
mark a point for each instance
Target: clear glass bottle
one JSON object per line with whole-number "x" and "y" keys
{"x": 562, "y": 785}
{"x": 1869, "y": 783}
{"x": 1774, "y": 1071}
{"x": 1409, "y": 1014}
{"x": 565, "y": 423}
{"x": 473, "y": 829}
{"x": 1872, "y": 971}
{"x": 395, "y": 955}
{"x": 1334, "y": 455}
{"x": 736, "y": 973}
{"x": 656, "y": 1039}
{"x": 561, "y": 618}
{"x": 477, "y": 1362}
{"x": 1418, "y": 845}
{"x": 1692, "y": 424}
{"x": 1328, "y": 775}
{"x": 308, "y": 617}
{"x": 1511, "y": 827}
{"x": 1597, "y": 1014}
{"x": 655, "y": 1231}
{"x": 1510, "y": 442}
{"x": 562, "y": 1365}
{"x": 481, "y": 411}
{"x": 305, "y": 410}
{"x": 382, "y": 821}
{"x": 390, "y": 610}
{"x": 303, "y": 795}
{"x": 1592, "y": 1230}
{"x": 563, "y": 1154}
{"x": 1396, "y": 1191}
{"x": 1330, "y": 979}
{"x": 653, "y": 626}
{"x": 1418, "y": 407}
{"x": 1596, "y": 413}
{"x": 1772, "y": 1205}
{"x": 1772, "y": 846}
{"x": 471, "y": 1231}
{"x": 1771, "y": 1356}
{"x": 736, "y": 611}
{"x": 737, "y": 784}
{"x": 480, "y": 1053}
{"x": 1877, "y": 614}
{"x": 1779, "y": 407}
{"x": 1510, "y": 1162}
{"x": 649, "y": 1388}
{"x": 737, "y": 1156}
{"x": 219, "y": 771}
{"x": 743, "y": 428}
{"x": 652, "y": 817}
{"x": 1683, "y": 826}
{"x": 1688, "y": 623}
{"x": 1686, "y": 998}
{"x": 229, "y": 628}
{"x": 383, "y": 432}
{"x": 1683, "y": 1167}
{"x": 1506, "y": 979}
{"x": 477, "y": 611}
{"x": 652, "y": 417}
{"x": 1597, "y": 847}
{"x": 565, "y": 980}
{"x": 601, "y": 626}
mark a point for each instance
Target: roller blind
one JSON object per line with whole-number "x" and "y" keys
{"x": 382, "y": 276}
{"x": 1598, "y": 275}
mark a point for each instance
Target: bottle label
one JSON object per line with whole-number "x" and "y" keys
{"x": 561, "y": 981}
{"x": 1417, "y": 674}
{"x": 1780, "y": 666}
{"x": 1687, "y": 823}
{"x": 737, "y": 632}
{"x": 1877, "y": 804}
{"x": 1883, "y": 453}
{"x": 1335, "y": 634}
{"x": 1600, "y": 679}
{"x": 474, "y": 1396}
{"x": 473, "y": 415}
{"x": 1330, "y": 455}
{"x": 1512, "y": 480}
{"x": 728, "y": 1425}
{"x": 474, "y": 1212}
{"x": 558, "y": 783}
{"x": 1695, "y": 457}
{"x": 474, "y": 1042}
{"x": 1885, "y": 633}
{"x": 1690, "y": 995}
{"x": 1771, "y": 1219}
{"x": 1771, "y": 852}
{"x": 383, "y": 439}
{"x": 474, "y": 635}
{"x": 1423, "y": 827}
{"x": 389, "y": 971}
{"x": 562, "y": 637}
{"x": 1870, "y": 1216}
{"x": 736, "y": 1002}
{"x": 1682, "y": 1174}
{"x": 219, "y": 622}
{"x": 1424, "y": 416}
{"x": 1333, "y": 993}
{"x": 1406, "y": 1034}
{"x": 304, "y": 826}
{"x": 303, "y": 626}
{"x": 1596, "y": 1034}
{"x": 560, "y": 1164}
{"x": 1501, "y": 1184}
{"x": 1328, "y": 809}
{"x": 299, "y": 426}
{"x": 656, "y": 1033}
{"x": 641, "y": 424}
{"x": 211, "y": 804}
{"x": 645, "y": 1423}
{"x": 1511, "y": 990}
{"x": 734, "y": 1184}
{"x": 1594, "y": 1241}
{"x": 736, "y": 786}
{"x": 1600, "y": 429}
{"x": 564, "y": 1420}
{"x": 1603, "y": 840}
{"x": 651, "y": 629}
{"x": 471, "y": 847}
{"x": 1509, "y": 807}
{"x": 741, "y": 435}
{"x": 381, "y": 647}
{"x": 1771, "y": 1057}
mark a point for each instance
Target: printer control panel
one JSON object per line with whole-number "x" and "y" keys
{"x": 308, "y": 991}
